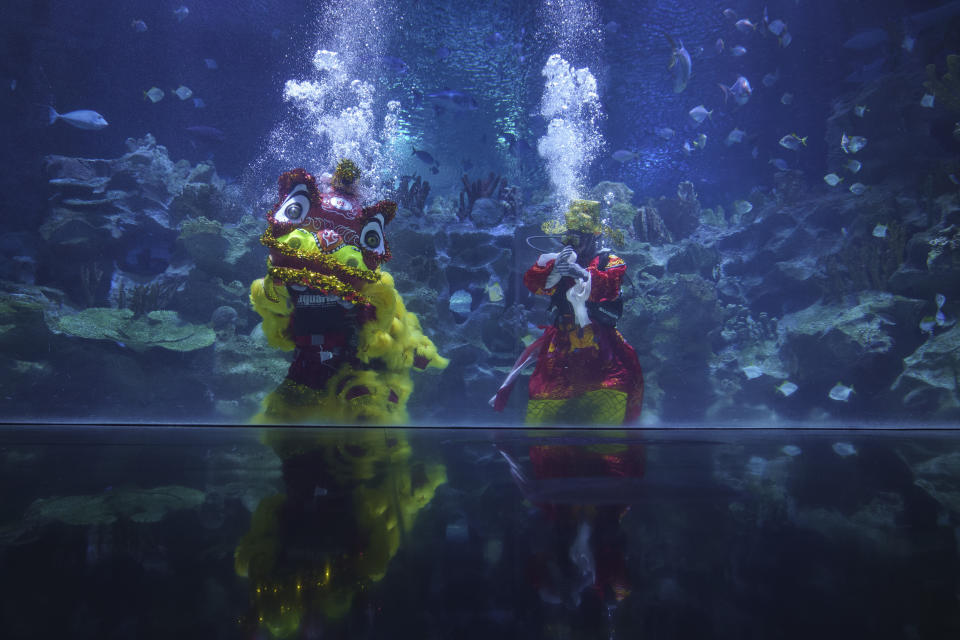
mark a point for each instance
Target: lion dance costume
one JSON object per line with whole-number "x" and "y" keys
{"x": 326, "y": 299}
{"x": 314, "y": 550}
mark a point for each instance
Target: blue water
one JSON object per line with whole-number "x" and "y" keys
{"x": 794, "y": 471}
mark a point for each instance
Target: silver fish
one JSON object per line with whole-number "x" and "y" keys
{"x": 680, "y": 64}
{"x": 82, "y": 119}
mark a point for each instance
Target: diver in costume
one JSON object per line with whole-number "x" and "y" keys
{"x": 585, "y": 372}
{"x": 326, "y": 299}
{"x": 349, "y": 496}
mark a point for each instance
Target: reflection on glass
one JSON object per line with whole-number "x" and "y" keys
{"x": 349, "y": 500}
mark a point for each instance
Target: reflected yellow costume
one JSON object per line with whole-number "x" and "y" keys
{"x": 351, "y": 499}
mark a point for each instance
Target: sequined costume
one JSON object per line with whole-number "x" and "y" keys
{"x": 326, "y": 298}
{"x": 587, "y": 375}
{"x": 585, "y": 372}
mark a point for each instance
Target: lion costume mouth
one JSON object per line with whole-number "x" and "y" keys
{"x": 298, "y": 258}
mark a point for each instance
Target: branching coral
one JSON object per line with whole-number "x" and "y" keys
{"x": 477, "y": 189}
{"x": 947, "y": 87}
{"x": 412, "y": 193}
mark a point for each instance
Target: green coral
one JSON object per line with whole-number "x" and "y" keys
{"x": 161, "y": 329}
{"x": 947, "y": 87}
{"x": 139, "y": 505}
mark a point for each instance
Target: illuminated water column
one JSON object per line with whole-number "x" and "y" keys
{"x": 571, "y": 102}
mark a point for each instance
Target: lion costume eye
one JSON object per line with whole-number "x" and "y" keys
{"x": 372, "y": 235}
{"x": 295, "y": 207}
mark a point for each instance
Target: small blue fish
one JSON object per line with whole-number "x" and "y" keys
{"x": 395, "y": 65}
{"x": 181, "y": 12}
{"x": 452, "y": 98}
{"x": 211, "y": 63}
{"x": 198, "y": 103}
{"x": 82, "y": 119}
{"x": 139, "y": 26}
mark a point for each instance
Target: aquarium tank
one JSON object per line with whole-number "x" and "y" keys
{"x": 561, "y": 319}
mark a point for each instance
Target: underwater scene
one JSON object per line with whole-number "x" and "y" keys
{"x": 436, "y": 319}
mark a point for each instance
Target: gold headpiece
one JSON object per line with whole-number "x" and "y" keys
{"x": 582, "y": 216}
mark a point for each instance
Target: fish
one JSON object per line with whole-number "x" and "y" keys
{"x": 688, "y": 147}
{"x": 622, "y": 156}
{"x": 738, "y": 51}
{"x": 665, "y": 132}
{"x": 395, "y": 65}
{"x": 793, "y": 141}
{"x": 494, "y": 291}
{"x": 139, "y": 26}
{"x": 866, "y": 39}
{"x": 868, "y": 72}
{"x": 791, "y": 450}
{"x": 423, "y": 156}
{"x": 940, "y": 300}
{"x": 786, "y": 99}
{"x": 735, "y": 136}
{"x": 745, "y": 26}
{"x": 832, "y": 179}
{"x": 699, "y": 113}
{"x": 743, "y": 207}
{"x": 786, "y": 39}
{"x": 729, "y": 14}
{"x": 928, "y": 324}
{"x": 777, "y": 27}
{"x": 840, "y": 392}
{"x": 844, "y": 449}
{"x": 442, "y": 53}
{"x": 206, "y": 134}
{"x": 779, "y": 163}
{"x": 457, "y": 100}
{"x": 181, "y": 12}
{"x": 740, "y": 90}
{"x": 198, "y": 103}
{"x": 770, "y": 79}
{"x": 858, "y": 188}
{"x": 880, "y": 231}
{"x": 182, "y": 92}
{"x": 154, "y": 93}
{"x": 908, "y": 42}
{"x": 786, "y": 388}
{"x": 81, "y": 119}
{"x": 494, "y": 38}
{"x": 718, "y": 46}
{"x": 860, "y": 110}
{"x": 701, "y": 141}
{"x": 853, "y": 166}
{"x": 460, "y": 302}
{"x": 211, "y": 63}
{"x": 927, "y": 101}
{"x": 852, "y": 144}
{"x": 611, "y": 27}
{"x": 680, "y": 64}
{"x": 434, "y": 170}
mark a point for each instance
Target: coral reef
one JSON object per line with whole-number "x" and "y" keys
{"x": 156, "y": 329}
{"x": 947, "y": 87}
{"x": 411, "y": 194}
{"x": 480, "y": 188}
